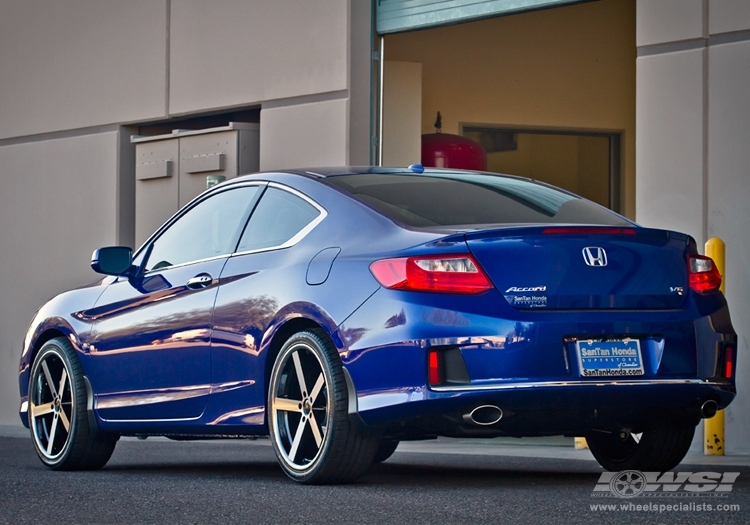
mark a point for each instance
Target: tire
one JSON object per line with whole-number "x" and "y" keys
{"x": 660, "y": 447}
{"x": 58, "y": 419}
{"x": 386, "y": 448}
{"x": 310, "y": 430}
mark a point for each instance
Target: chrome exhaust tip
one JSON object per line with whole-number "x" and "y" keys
{"x": 484, "y": 415}
{"x": 709, "y": 409}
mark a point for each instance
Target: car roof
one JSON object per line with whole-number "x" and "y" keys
{"x": 414, "y": 169}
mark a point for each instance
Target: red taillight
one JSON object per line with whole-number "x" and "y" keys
{"x": 443, "y": 273}
{"x": 703, "y": 276}
{"x": 433, "y": 367}
{"x": 588, "y": 231}
{"x": 728, "y": 362}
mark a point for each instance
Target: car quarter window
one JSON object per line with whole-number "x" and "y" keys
{"x": 208, "y": 229}
{"x": 278, "y": 217}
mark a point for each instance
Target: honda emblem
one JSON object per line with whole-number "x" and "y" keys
{"x": 595, "y": 256}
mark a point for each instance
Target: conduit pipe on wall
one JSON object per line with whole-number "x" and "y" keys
{"x": 381, "y": 69}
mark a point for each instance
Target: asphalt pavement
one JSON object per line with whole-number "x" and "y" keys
{"x": 444, "y": 481}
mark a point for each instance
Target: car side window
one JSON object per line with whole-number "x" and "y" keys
{"x": 278, "y": 217}
{"x": 208, "y": 229}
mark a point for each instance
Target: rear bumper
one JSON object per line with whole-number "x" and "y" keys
{"x": 543, "y": 408}
{"x": 525, "y": 363}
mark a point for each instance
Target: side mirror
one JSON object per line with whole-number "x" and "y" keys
{"x": 112, "y": 260}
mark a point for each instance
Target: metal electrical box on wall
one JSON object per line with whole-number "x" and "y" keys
{"x": 173, "y": 169}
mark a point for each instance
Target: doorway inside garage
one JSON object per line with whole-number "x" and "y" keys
{"x": 549, "y": 94}
{"x": 585, "y": 163}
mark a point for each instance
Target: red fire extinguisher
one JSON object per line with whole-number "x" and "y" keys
{"x": 444, "y": 150}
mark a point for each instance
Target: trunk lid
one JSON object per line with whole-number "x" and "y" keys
{"x": 585, "y": 268}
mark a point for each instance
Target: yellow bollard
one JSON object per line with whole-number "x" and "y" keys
{"x": 713, "y": 428}
{"x": 580, "y": 443}
{"x": 715, "y": 249}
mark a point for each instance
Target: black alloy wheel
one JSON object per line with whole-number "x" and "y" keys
{"x": 312, "y": 436}
{"x": 58, "y": 418}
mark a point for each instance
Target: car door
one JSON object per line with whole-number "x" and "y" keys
{"x": 267, "y": 271}
{"x": 151, "y": 335}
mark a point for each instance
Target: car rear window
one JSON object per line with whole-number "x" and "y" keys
{"x": 459, "y": 199}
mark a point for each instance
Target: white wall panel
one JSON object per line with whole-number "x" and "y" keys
{"x": 659, "y": 21}
{"x": 77, "y": 63}
{"x": 669, "y": 141}
{"x": 728, "y": 197}
{"x": 232, "y": 52}
{"x": 304, "y": 135}
{"x": 57, "y": 204}
{"x": 728, "y": 15}
{"x": 402, "y": 113}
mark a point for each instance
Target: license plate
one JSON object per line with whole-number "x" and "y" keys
{"x": 614, "y": 357}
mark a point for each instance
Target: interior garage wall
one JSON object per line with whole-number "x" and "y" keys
{"x": 571, "y": 67}
{"x": 692, "y": 124}
{"x": 58, "y": 202}
{"x": 402, "y": 113}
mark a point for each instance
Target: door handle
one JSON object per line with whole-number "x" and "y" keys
{"x": 200, "y": 281}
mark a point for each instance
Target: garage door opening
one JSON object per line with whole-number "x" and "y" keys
{"x": 550, "y": 94}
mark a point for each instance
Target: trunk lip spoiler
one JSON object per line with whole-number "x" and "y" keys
{"x": 539, "y": 230}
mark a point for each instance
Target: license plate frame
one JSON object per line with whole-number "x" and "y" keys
{"x": 612, "y": 357}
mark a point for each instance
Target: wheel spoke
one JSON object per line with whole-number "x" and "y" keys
{"x": 297, "y": 440}
{"x": 48, "y": 376}
{"x": 300, "y": 373}
{"x": 64, "y": 377}
{"x": 315, "y": 429}
{"x": 317, "y": 387}
{"x": 287, "y": 405}
{"x": 64, "y": 419}
{"x": 52, "y": 433}
{"x": 41, "y": 410}
{"x": 636, "y": 437}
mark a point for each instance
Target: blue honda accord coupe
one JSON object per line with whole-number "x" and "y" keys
{"x": 340, "y": 311}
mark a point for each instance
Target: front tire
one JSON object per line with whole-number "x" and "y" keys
{"x": 312, "y": 436}
{"x": 58, "y": 418}
{"x": 659, "y": 448}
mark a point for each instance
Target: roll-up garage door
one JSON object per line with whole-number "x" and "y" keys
{"x": 404, "y": 15}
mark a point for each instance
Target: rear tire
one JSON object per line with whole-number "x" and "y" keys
{"x": 660, "y": 447}
{"x": 58, "y": 417}
{"x": 312, "y": 436}
{"x": 386, "y": 448}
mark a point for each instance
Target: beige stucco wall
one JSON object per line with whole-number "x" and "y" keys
{"x": 229, "y": 53}
{"x": 73, "y": 73}
{"x": 69, "y": 65}
{"x": 54, "y": 211}
{"x": 692, "y": 123}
